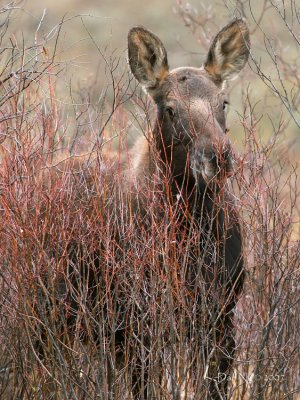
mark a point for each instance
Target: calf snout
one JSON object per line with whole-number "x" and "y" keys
{"x": 213, "y": 163}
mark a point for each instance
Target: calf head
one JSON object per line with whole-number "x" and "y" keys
{"x": 190, "y": 129}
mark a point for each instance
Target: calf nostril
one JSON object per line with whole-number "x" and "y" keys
{"x": 224, "y": 151}
{"x": 226, "y": 161}
{"x": 223, "y": 161}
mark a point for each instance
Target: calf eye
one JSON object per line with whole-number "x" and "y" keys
{"x": 170, "y": 112}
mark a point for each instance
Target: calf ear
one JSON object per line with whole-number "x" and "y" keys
{"x": 229, "y": 51}
{"x": 147, "y": 57}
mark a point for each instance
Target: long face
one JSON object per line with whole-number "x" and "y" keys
{"x": 191, "y": 120}
{"x": 191, "y": 102}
